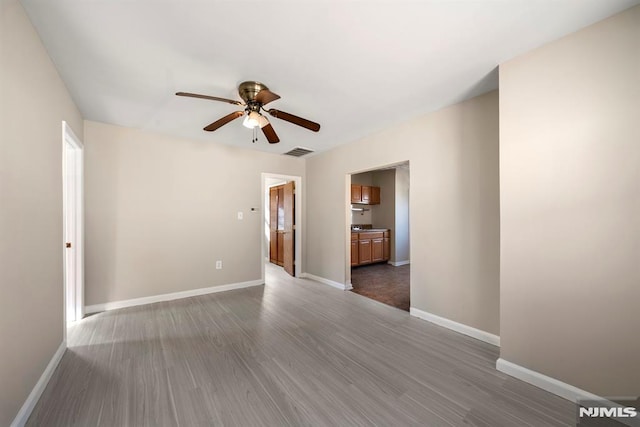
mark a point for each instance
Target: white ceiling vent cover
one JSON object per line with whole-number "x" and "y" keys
{"x": 298, "y": 152}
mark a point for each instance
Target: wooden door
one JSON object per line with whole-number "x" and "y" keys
{"x": 273, "y": 225}
{"x": 289, "y": 228}
{"x": 276, "y": 225}
{"x": 280, "y": 225}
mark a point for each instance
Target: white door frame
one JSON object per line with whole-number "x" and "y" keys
{"x": 298, "y": 218}
{"x": 73, "y": 222}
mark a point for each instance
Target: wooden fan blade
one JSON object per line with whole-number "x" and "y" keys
{"x": 295, "y": 120}
{"x": 223, "y": 121}
{"x": 271, "y": 135}
{"x": 265, "y": 96}
{"x": 213, "y": 98}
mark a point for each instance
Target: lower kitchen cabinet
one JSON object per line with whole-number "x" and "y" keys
{"x": 386, "y": 248}
{"x": 364, "y": 251}
{"x": 377, "y": 252}
{"x": 369, "y": 246}
{"x": 355, "y": 253}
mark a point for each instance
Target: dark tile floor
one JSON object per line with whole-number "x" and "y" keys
{"x": 384, "y": 283}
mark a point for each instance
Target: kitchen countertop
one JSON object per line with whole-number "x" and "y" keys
{"x": 369, "y": 230}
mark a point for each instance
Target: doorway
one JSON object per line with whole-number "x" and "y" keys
{"x": 291, "y": 227}
{"x": 73, "y": 224}
{"x": 282, "y": 226}
{"x": 378, "y": 265}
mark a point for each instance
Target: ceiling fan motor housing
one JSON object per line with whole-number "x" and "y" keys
{"x": 249, "y": 90}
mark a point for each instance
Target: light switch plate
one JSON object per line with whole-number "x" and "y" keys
{"x": 240, "y": 215}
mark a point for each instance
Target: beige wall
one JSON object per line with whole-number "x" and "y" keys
{"x": 570, "y": 198}
{"x": 364, "y": 178}
{"x": 33, "y": 103}
{"x": 161, "y": 210}
{"x": 401, "y": 232}
{"x": 454, "y": 208}
{"x": 384, "y": 214}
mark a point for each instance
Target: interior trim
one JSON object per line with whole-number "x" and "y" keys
{"x": 559, "y": 388}
{"x": 25, "y": 412}
{"x": 544, "y": 382}
{"x": 96, "y": 308}
{"x": 329, "y": 282}
{"x": 457, "y": 327}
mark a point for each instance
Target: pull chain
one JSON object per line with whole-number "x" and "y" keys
{"x": 255, "y": 135}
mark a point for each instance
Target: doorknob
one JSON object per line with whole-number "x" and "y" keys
{"x": 68, "y": 244}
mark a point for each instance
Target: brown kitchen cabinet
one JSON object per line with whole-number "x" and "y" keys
{"x": 377, "y": 251}
{"x": 356, "y": 193}
{"x": 364, "y": 252}
{"x": 365, "y": 195}
{"x": 355, "y": 253}
{"x": 368, "y": 247}
{"x": 375, "y": 196}
{"x": 386, "y": 248}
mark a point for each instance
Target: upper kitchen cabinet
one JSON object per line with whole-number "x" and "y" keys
{"x": 365, "y": 195}
{"x": 374, "y": 199}
{"x": 356, "y": 193}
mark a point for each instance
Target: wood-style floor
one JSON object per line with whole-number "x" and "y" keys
{"x": 384, "y": 283}
{"x": 291, "y": 353}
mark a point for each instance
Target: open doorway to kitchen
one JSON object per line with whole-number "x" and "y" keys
{"x": 73, "y": 224}
{"x": 282, "y": 222}
{"x": 379, "y": 253}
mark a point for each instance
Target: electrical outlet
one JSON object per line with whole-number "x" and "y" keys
{"x": 218, "y": 265}
{"x": 240, "y": 215}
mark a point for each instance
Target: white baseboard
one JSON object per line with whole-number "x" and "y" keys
{"x": 544, "y": 382}
{"x": 329, "y": 282}
{"x": 96, "y": 308}
{"x": 399, "y": 263}
{"x": 23, "y": 415}
{"x": 455, "y": 326}
{"x": 559, "y": 388}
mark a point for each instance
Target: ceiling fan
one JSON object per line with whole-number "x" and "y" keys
{"x": 255, "y": 95}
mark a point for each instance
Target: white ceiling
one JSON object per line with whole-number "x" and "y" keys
{"x": 353, "y": 66}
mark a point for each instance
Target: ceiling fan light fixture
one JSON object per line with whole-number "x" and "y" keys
{"x": 252, "y": 120}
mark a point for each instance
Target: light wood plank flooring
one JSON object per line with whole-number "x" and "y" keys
{"x": 291, "y": 353}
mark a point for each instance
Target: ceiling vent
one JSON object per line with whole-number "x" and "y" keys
{"x": 298, "y": 152}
